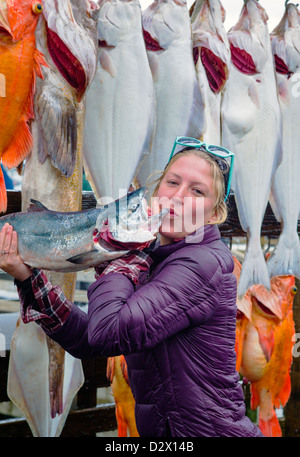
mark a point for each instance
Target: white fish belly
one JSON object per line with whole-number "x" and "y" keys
{"x": 118, "y": 116}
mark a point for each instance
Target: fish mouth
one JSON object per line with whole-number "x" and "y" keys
{"x": 71, "y": 46}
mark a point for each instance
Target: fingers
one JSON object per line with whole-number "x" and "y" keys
{"x": 6, "y": 239}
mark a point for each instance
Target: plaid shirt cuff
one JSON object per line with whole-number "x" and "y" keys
{"x": 130, "y": 266}
{"x": 42, "y": 302}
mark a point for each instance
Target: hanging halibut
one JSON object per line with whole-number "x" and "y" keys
{"x": 120, "y": 102}
{"x": 212, "y": 59}
{"x": 285, "y": 189}
{"x": 251, "y": 129}
{"x": 179, "y": 104}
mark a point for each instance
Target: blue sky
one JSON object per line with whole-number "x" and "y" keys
{"x": 274, "y": 8}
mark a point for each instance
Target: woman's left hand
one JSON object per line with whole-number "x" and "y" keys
{"x": 10, "y": 261}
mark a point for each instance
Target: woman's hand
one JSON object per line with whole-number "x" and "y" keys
{"x": 10, "y": 261}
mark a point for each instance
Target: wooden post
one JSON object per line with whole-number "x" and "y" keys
{"x": 292, "y": 409}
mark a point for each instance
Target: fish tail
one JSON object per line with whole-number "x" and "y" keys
{"x": 270, "y": 428}
{"x": 254, "y": 271}
{"x": 285, "y": 259}
{"x": 3, "y": 195}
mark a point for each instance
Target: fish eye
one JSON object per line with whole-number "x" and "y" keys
{"x": 294, "y": 290}
{"x": 37, "y": 7}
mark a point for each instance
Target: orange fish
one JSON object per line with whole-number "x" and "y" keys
{"x": 20, "y": 62}
{"x": 117, "y": 375}
{"x": 267, "y": 349}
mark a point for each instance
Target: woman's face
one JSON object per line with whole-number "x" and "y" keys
{"x": 187, "y": 190}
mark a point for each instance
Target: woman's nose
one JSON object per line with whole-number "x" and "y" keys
{"x": 179, "y": 194}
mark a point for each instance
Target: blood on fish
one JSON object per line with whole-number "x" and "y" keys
{"x": 67, "y": 64}
{"x": 215, "y": 69}
{"x": 242, "y": 60}
{"x": 281, "y": 66}
{"x": 150, "y": 42}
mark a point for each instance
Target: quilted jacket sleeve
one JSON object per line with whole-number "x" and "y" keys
{"x": 121, "y": 320}
{"x": 181, "y": 295}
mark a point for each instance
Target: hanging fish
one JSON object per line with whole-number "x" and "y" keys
{"x": 20, "y": 63}
{"x": 120, "y": 103}
{"x": 251, "y": 128}
{"x": 212, "y": 58}
{"x": 66, "y": 34}
{"x": 285, "y": 189}
{"x": 267, "y": 349}
{"x": 179, "y": 103}
{"x": 117, "y": 375}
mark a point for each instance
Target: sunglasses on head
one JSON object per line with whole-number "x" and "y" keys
{"x": 215, "y": 151}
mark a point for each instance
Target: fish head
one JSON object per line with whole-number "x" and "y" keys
{"x": 117, "y": 19}
{"x": 19, "y": 18}
{"x": 167, "y": 22}
{"x": 128, "y": 219}
{"x": 71, "y": 40}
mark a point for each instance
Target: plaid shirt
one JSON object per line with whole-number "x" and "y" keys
{"x": 45, "y": 304}
{"x": 42, "y": 302}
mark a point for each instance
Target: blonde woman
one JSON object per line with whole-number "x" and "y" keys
{"x": 170, "y": 311}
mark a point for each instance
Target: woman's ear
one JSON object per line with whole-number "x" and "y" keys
{"x": 214, "y": 217}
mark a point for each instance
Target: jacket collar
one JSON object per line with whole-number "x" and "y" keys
{"x": 204, "y": 235}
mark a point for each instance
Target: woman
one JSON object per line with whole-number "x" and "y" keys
{"x": 172, "y": 313}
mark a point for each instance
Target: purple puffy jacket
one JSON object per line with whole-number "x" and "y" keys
{"x": 177, "y": 331}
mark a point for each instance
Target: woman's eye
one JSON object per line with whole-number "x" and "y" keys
{"x": 172, "y": 182}
{"x": 198, "y": 191}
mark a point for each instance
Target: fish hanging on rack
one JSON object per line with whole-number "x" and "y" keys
{"x": 120, "y": 111}
{"x": 179, "y": 102}
{"x": 251, "y": 128}
{"x": 212, "y": 60}
{"x": 285, "y": 190}
{"x": 267, "y": 349}
{"x": 117, "y": 375}
{"x": 42, "y": 379}
{"x": 20, "y": 65}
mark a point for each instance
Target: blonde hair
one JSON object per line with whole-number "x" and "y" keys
{"x": 220, "y": 207}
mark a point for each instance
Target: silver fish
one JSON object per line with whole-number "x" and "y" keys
{"x": 67, "y": 242}
{"x": 285, "y": 189}
{"x": 251, "y": 128}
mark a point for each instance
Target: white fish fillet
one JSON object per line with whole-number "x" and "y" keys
{"x": 120, "y": 102}
{"x": 252, "y": 130}
{"x": 211, "y": 46}
{"x": 285, "y": 190}
{"x": 179, "y": 104}
{"x": 28, "y": 380}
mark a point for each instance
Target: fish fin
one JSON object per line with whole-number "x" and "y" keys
{"x": 283, "y": 92}
{"x": 39, "y": 60}
{"x": 107, "y": 63}
{"x": 197, "y": 122}
{"x": 19, "y": 147}
{"x": 110, "y": 368}
{"x": 285, "y": 391}
{"x": 35, "y": 205}
{"x": 270, "y": 428}
{"x": 86, "y": 258}
{"x": 254, "y": 271}
{"x": 154, "y": 66}
{"x": 285, "y": 259}
{"x": 266, "y": 341}
{"x": 3, "y": 194}
{"x": 56, "y": 117}
{"x": 253, "y": 94}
